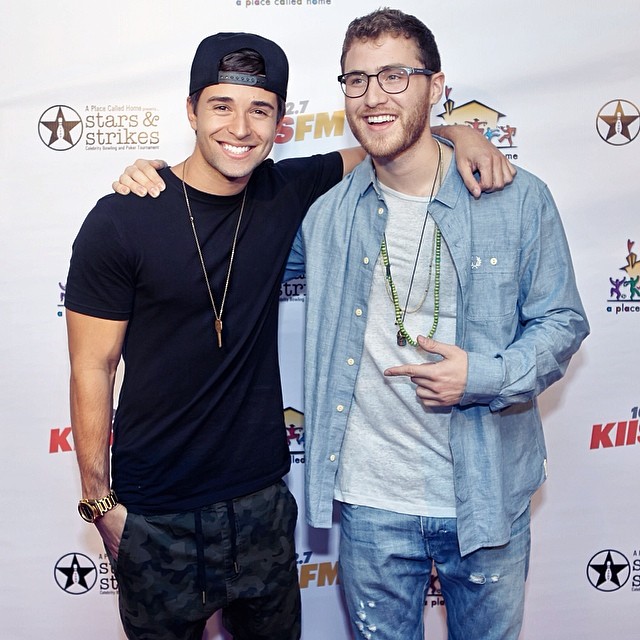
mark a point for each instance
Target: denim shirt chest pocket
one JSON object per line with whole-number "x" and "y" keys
{"x": 493, "y": 281}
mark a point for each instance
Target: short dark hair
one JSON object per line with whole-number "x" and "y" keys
{"x": 393, "y": 22}
{"x": 242, "y": 61}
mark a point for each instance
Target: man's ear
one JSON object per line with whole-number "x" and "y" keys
{"x": 436, "y": 88}
{"x": 191, "y": 114}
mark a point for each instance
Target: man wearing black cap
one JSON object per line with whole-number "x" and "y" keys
{"x": 192, "y": 509}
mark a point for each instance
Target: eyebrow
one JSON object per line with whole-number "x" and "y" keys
{"x": 265, "y": 104}
{"x": 393, "y": 65}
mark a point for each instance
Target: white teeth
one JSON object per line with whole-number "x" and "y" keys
{"x": 235, "y": 150}
{"x": 379, "y": 119}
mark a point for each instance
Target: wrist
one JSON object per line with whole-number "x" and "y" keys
{"x": 91, "y": 510}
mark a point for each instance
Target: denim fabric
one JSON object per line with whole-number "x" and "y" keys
{"x": 385, "y": 570}
{"x": 520, "y": 319}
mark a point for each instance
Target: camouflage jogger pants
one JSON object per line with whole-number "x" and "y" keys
{"x": 174, "y": 571}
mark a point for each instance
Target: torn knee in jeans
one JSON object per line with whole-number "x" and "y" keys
{"x": 363, "y": 624}
{"x": 480, "y": 578}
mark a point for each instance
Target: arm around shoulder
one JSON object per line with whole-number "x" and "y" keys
{"x": 141, "y": 178}
{"x": 474, "y": 153}
{"x": 351, "y": 157}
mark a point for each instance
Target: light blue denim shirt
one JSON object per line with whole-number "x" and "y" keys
{"x": 520, "y": 319}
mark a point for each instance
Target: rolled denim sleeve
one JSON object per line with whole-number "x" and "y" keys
{"x": 550, "y": 323}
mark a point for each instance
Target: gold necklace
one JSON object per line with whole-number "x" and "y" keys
{"x": 403, "y": 336}
{"x": 218, "y": 315}
{"x": 425, "y": 293}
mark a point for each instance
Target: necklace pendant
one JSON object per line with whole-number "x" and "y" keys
{"x": 218, "y": 326}
{"x": 401, "y": 340}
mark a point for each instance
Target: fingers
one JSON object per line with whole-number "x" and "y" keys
{"x": 429, "y": 344}
{"x": 430, "y": 390}
{"x": 496, "y": 172}
{"x": 120, "y": 188}
{"x": 439, "y": 383}
{"x": 417, "y": 369}
{"x": 141, "y": 178}
{"x": 111, "y": 526}
{"x": 474, "y": 187}
{"x": 433, "y": 398}
{"x": 409, "y": 370}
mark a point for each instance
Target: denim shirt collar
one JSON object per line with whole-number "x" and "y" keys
{"x": 449, "y": 193}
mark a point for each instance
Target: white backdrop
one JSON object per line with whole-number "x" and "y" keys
{"x": 88, "y": 87}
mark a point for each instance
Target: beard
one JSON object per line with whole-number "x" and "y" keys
{"x": 413, "y": 124}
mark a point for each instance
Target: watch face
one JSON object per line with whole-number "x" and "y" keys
{"x": 86, "y": 512}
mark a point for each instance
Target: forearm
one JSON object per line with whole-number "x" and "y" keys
{"x": 91, "y": 418}
{"x": 95, "y": 346}
{"x": 475, "y": 154}
{"x": 538, "y": 358}
{"x": 91, "y": 411}
{"x": 459, "y": 134}
{"x": 453, "y": 132}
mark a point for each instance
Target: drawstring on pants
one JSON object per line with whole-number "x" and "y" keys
{"x": 232, "y": 532}
{"x": 201, "y": 566}
{"x": 201, "y": 580}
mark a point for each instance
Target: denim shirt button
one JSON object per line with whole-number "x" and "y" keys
{"x": 494, "y": 261}
{"x": 366, "y": 260}
{"x": 332, "y": 457}
{"x": 358, "y": 312}
{"x": 340, "y": 408}
{"x": 350, "y": 361}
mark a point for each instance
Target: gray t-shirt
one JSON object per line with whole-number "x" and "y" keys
{"x": 396, "y": 454}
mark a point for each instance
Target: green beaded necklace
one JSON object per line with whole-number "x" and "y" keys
{"x": 403, "y": 336}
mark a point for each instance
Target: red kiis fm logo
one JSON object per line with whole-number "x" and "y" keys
{"x": 616, "y": 434}
{"x": 60, "y": 440}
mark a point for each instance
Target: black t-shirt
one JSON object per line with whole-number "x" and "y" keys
{"x": 196, "y": 423}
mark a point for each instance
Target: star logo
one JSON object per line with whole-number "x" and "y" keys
{"x": 75, "y": 573}
{"x": 60, "y": 128}
{"x": 608, "y": 570}
{"x": 618, "y": 122}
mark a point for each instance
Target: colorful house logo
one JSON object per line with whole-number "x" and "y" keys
{"x": 626, "y": 287}
{"x": 486, "y": 120}
{"x": 294, "y": 421}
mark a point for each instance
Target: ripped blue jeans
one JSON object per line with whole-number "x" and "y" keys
{"x": 385, "y": 571}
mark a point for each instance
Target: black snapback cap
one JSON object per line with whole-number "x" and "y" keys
{"x": 205, "y": 69}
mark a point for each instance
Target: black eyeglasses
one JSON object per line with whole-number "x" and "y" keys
{"x": 391, "y": 80}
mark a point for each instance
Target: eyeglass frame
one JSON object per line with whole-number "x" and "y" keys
{"x": 410, "y": 71}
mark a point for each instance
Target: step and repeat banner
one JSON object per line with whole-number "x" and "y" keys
{"x": 89, "y": 87}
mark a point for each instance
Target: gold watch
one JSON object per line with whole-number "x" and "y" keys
{"x": 91, "y": 510}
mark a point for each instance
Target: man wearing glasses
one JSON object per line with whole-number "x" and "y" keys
{"x": 197, "y": 517}
{"x": 391, "y": 80}
{"x": 433, "y": 321}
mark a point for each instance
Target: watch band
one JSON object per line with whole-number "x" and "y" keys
{"x": 91, "y": 510}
